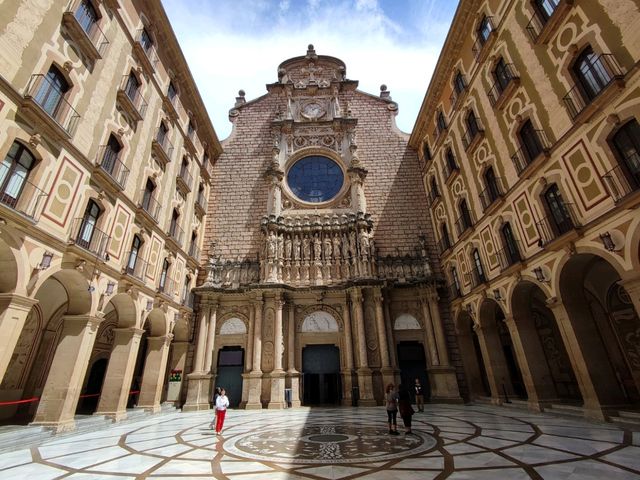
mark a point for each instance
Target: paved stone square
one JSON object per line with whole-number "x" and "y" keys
{"x": 345, "y": 443}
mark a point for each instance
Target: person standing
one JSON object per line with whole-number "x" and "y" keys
{"x": 216, "y": 394}
{"x": 404, "y": 406}
{"x": 391, "y": 397}
{"x": 222, "y": 403}
{"x": 419, "y": 396}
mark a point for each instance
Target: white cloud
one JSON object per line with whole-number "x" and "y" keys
{"x": 234, "y": 46}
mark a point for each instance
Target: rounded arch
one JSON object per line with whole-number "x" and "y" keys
{"x": 406, "y": 321}
{"x": 156, "y": 321}
{"x": 319, "y": 319}
{"x": 74, "y": 286}
{"x": 233, "y": 326}
{"x": 12, "y": 275}
{"x": 125, "y": 308}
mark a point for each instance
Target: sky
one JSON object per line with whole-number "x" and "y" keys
{"x": 238, "y": 44}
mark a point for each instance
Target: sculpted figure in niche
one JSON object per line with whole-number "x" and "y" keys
{"x": 296, "y": 248}
{"x": 306, "y": 248}
{"x": 280, "y": 246}
{"x": 352, "y": 244}
{"x": 327, "y": 248}
{"x": 336, "y": 246}
{"x": 364, "y": 243}
{"x": 317, "y": 248}
{"x": 271, "y": 245}
{"x": 287, "y": 248}
{"x": 345, "y": 248}
{"x": 372, "y": 248}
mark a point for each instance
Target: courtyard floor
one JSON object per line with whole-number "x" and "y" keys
{"x": 455, "y": 442}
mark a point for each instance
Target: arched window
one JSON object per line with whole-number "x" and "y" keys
{"x": 456, "y": 282}
{"x": 502, "y": 75}
{"x": 484, "y": 29}
{"x": 147, "y": 196}
{"x": 458, "y": 83}
{"x": 626, "y": 143}
{"x": 162, "y": 134}
{"x": 88, "y": 225}
{"x": 441, "y": 122}
{"x": 110, "y": 154}
{"x": 172, "y": 93}
{"x": 560, "y": 217}
{"x": 173, "y": 226}
{"x": 478, "y": 269}
{"x": 590, "y": 73}
{"x": 191, "y": 129}
{"x": 132, "y": 87}
{"x": 51, "y": 91}
{"x": 434, "y": 192}
{"x": 184, "y": 167}
{"x": 451, "y": 161}
{"x": 426, "y": 152}
{"x": 87, "y": 16}
{"x": 545, "y": 8}
{"x": 14, "y": 171}
{"x": 472, "y": 124}
{"x": 193, "y": 248}
{"x": 511, "y": 250}
{"x": 444, "y": 237}
{"x": 464, "y": 222}
{"x": 529, "y": 141}
{"x": 493, "y": 190}
{"x": 136, "y": 244}
{"x": 145, "y": 40}
{"x": 163, "y": 274}
{"x": 185, "y": 289}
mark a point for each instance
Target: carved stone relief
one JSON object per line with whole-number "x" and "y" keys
{"x": 233, "y": 326}
{"x": 319, "y": 322}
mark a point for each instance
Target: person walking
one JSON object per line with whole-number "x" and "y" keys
{"x": 216, "y": 394}
{"x": 222, "y": 403}
{"x": 405, "y": 408}
{"x": 419, "y": 396}
{"x": 391, "y": 397}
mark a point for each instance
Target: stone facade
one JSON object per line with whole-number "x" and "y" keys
{"x": 529, "y": 148}
{"x": 95, "y": 195}
{"x": 292, "y": 273}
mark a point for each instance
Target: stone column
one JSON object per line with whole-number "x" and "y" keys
{"x": 254, "y": 378}
{"x": 177, "y": 361}
{"x": 385, "y": 370}
{"x": 347, "y": 374}
{"x": 393, "y": 352}
{"x": 211, "y": 338}
{"x": 14, "y": 310}
{"x": 248, "y": 359}
{"x": 119, "y": 374}
{"x": 592, "y": 406}
{"x": 430, "y": 341}
{"x": 365, "y": 381}
{"x": 61, "y": 392}
{"x": 199, "y": 380}
{"x": 442, "y": 376}
{"x": 154, "y": 375}
{"x": 292, "y": 373}
{"x": 277, "y": 375}
{"x": 496, "y": 368}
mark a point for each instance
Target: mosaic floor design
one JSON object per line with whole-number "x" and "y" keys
{"x": 453, "y": 442}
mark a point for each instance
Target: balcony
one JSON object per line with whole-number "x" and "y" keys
{"x": 175, "y": 234}
{"x": 492, "y": 194}
{"x": 47, "y": 108}
{"x": 85, "y": 235}
{"x": 438, "y": 135}
{"x": 472, "y": 135}
{"x": 88, "y": 37}
{"x": 502, "y": 90}
{"x": 188, "y": 300}
{"x": 110, "y": 168}
{"x": 443, "y": 244}
{"x": 478, "y": 277}
{"x": 464, "y": 223}
{"x": 201, "y": 205}
{"x": 131, "y": 100}
{"x": 145, "y": 52}
{"x": 448, "y": 171}
{"x": 194, "y": 251}
{"x": 20, "y": 195}
{"x": 454, "y": 291}
{"x": 551, "y": 228}
{"x": 162, "y": 149}
{"x": 507, "y": 257}
{"x": 149, "y": 207}
{"x": 432, "y": 197}
{"x": 457, "y": 95}
{"x": 184, "y": 180}
{"x": 136, "y": 267}
{"x": 620, "y": 181}
{"x": 542, "y": 27}
{"x": 481, "y": 46}
{"x": 586, "y": 97}
{"x": 538, "y": 148}
{"x": 167, "y": 288}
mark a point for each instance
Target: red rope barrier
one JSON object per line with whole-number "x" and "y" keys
{"x": 36, "y": 399}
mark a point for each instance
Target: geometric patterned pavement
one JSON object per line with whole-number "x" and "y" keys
{"x": 454, "y": 442}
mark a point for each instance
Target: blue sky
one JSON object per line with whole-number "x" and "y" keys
{"x": 238, "y": 44}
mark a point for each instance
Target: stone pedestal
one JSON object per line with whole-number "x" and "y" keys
{"x": 365, "y": 385}
{"x": 60, "y": 396}
{"x": 198, "y": 392}
{"x": 444, "y": 385}
{"x": 254, "y": 391}
{"x": 117, "y": 379}
{"x": 277, "y": 390}
{"x": 13, "y": 313}
{"x": 153, "y": 378}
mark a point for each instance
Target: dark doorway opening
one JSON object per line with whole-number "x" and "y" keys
{"x": 413, "y": 364}
{"x": 89, "y": 398}
{"x": 229, "y": 373}
{"x": 321, "y": 383}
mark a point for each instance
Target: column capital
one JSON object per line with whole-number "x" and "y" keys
{"x": 163, "y": 340}
{"x": 378, "y": 297}
{"x": 134, "y": 331}
{"x": 17, "y": 301}
{"x": 356, "y": 294}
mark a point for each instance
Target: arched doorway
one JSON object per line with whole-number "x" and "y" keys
{"x": 229, "y": 372}
{"x": 413, "y": 364}
{"x": 552, "y": 377}
{"x": 472, "y": 359}
{"x": 93, "y": 386}
{"x": 605, "y": 325}
{"x": 321, "y": 375}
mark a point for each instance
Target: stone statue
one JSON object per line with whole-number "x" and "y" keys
{"x": 280, "y": 246}
{"x": 317, "y": 248}
{"x": 352, "y": 244}
{"x": 328, "y": 249}
{"x": 345, "y": 248}
{"x": 423, "y": 247}
{"x": 287, "y": 248}
{"x": 372, "y": 248}
{"x": 364, "y": 243}
{"x": 336, "y": 246}
{"x": 306, "y": 248}
{"x": 272, "y": 245}
{"x": 296, "y": 248}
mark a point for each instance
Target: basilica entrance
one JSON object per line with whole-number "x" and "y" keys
{"x": 413, "y": 364}
{"x": 321, "y": 375}
{"x": 229, "y": 373}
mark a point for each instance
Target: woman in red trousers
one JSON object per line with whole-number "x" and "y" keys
{"x": 222, "y": 402}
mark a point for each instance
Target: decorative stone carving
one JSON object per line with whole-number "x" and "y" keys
{"x": 406, "y": 322}
{"x": 319, "y": 321}
{"x": 233, "y": 326}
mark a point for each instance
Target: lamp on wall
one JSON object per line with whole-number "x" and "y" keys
{"x": 46, "y": 261}
{"x": 497, "y": 295}
{"x": 540, "y": 276}
{"x": 149, "y": 305}
{"x": 607, "y": 241}
{"x": 469, "y": 308}
{"x": 110, "y": 288}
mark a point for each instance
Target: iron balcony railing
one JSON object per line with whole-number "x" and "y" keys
{"x": 133, "y": 94}
{"x": 454, "y": 291}
{"x": 554, "y": 226}
{"x": 499, "y": 86}
{"x": 188, "y": 300}
{"x": 621, "y": 180}
{"x": 432, "y": 196}
{"x": 509, "y": 256}
{"x": 194, "y": 251}
{"x": 167, "y": 287}
{"x": 85, "y": 235}
{"x": 186, "y": 177}
{"x": 176, "y": 233}
{"x": 449, "y": 169}
{"x": 471, "y": 132}
{"x": 90, "y": 28}
{"x": 492, "y": 193}
{"x": 109, "y": 161}
{"x": 148, "y": 48}
{"x": 444, "y": 244}
{"x": 164, "y": 143}
{"x": 201, "y": 202}
{"x": 52, "y": 101}
{"x": 463, "y": 223}
{"x": 602, "y": 71}
{"x": 150, "y": 204}
{"x": 538, "y": 20}
{"x": 480, "y": 42}
{"x": 535, "y": 147}
{"x": 136, "y": 267}
{"x": 477, "y": 277}
{"x": 20, "y": 194}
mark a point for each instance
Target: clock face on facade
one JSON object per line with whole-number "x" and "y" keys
{"x": 312, "y": 110}
{"x": 315, "y": 179}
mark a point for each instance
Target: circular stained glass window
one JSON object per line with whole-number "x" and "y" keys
{"x": 315, "y": 179}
